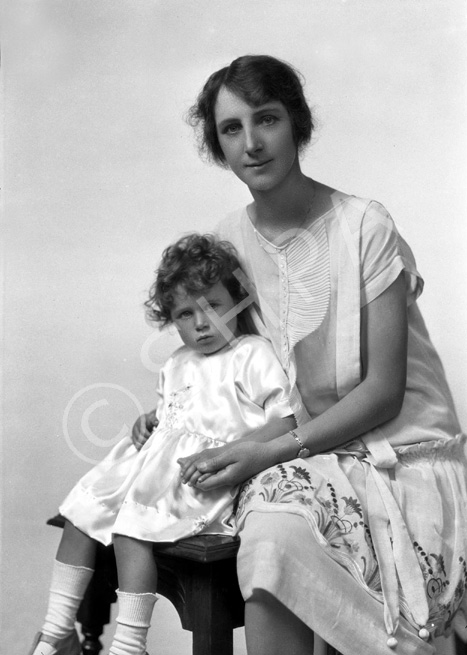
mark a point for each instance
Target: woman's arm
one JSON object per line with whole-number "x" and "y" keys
{"x": 190, "y": 465}
{"x": 377, "y": 399}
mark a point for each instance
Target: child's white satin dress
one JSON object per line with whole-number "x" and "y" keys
{"x": 204, "y": 402}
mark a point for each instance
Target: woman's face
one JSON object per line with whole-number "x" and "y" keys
{"x": 257, "y": 142}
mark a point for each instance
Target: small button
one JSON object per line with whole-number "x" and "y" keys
{"x": 392, "y": 642}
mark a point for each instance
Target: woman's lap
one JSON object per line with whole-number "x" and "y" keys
{"x": 330, "y": 554}
{"x": 278, "y": 555}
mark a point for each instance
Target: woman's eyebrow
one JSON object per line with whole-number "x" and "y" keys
{"x": 202, "y": 300}
{"x": 270, "y": 106}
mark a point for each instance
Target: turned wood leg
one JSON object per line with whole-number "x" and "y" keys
{"x": 94, "y": 611}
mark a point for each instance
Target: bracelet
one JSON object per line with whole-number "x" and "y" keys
{"x": 302, "y": 451}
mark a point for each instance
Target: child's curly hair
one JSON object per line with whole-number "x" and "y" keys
{"x": 196, "y": 262}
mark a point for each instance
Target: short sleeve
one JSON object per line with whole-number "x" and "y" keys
{"x": 261, "y": 380}
{"x": 384, "y": 255}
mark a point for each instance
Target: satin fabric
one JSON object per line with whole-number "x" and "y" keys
{"x": 204, "y": 402}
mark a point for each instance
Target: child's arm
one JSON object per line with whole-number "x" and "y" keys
{"x": 142, "y": 429}
{"x": 273, "y": 429}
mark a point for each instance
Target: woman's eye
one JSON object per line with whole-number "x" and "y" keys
{"x": 268, "y": 120}
{"x": 234, "y": 128}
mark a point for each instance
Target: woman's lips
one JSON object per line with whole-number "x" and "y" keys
{"x": 258, "y": 164}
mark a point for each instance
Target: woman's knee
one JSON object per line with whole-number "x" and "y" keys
{"x": 267, "y": 541}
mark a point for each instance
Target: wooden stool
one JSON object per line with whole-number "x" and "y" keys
{"x": 199, "y": 577}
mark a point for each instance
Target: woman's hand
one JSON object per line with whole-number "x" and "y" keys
{"x": 190, "y": 466}
{"x": 229, "y": 465}
{"x": 143, "y": 428}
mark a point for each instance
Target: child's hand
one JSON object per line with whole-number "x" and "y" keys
{"x": 189, "y": 465}
{"x": 143, "y": 428}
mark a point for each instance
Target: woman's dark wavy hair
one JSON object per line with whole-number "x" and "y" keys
{"x": 257, "y": 79}
{"x": 196, "y": 262}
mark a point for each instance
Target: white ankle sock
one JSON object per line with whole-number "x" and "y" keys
{"x": 43, "y": 648}
{"x": 133, "y": 621}
{"x": 66, "y": 593}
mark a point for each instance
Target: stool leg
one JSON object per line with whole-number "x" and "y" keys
{"x": 91, "y": 644}
{"x": 212, "y": 624}
{"x": 93, "y": 614}
{"x": 460, "y": 646}
{"x": 94, "y": 611}
{"x": 331, "y": 651}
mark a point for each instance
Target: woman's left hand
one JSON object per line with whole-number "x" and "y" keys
{"x": 229, "y": 465}
{"x": 190, "y": 472}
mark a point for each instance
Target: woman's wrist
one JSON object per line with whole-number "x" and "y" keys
{"x": 282, "y": 449}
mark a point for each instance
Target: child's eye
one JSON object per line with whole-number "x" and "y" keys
{"x": 185, "y": 315}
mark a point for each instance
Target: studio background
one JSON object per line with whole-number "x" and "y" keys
{"x": 101, "y": 173}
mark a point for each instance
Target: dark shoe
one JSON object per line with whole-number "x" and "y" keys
{"x": 69, "y": 645}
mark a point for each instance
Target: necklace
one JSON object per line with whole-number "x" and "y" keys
{"x": 285, "y": 236}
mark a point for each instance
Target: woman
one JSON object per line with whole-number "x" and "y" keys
{"x": 355, "y": 526}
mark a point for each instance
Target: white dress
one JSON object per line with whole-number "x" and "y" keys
{"x": 204, "y": 402}
{"x": 367, "y": 542}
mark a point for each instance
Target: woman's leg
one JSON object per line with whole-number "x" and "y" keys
{"x": 272, "y": 629}
{"x": 137, "y": 581}
{"x": 72, "y": 571}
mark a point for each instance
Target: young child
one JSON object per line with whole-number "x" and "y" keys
{"x": 221, "y": 385}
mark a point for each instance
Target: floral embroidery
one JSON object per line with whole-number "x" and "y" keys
{"x": 301, "y": 473}
{"x": 270, "y": 478}
{"x": 436, "y": 584}
{"x": 200, "y": 523}
{"x": 341, "y": 520}
{"x": 351, "y": 506}
{"x": 175, "y": 406}
{"x": 337, "y": 519}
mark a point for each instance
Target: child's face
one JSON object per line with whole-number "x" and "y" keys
{"x": 200, "y": 318}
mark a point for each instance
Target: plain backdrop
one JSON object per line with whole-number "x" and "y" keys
{"x": 101, "y": 172}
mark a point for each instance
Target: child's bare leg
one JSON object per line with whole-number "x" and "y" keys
{"x": 72, "y": 571}
{"x": 76, "y": 548}
{"x": 137, "y": 571}
{"x": 137, "y": 581}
